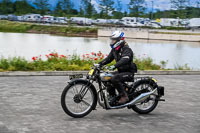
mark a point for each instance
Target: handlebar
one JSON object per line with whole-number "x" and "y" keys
{"x": 98, "y": 66}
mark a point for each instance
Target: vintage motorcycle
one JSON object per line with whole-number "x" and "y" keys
{"x": 80, "y": 96}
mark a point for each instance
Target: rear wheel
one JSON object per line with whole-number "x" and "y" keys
{"x": 150, "y": 103}
{"x": 78, "y": 100}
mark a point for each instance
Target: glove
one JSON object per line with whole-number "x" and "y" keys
{"x": 112, "y": 67}
{"x": 97, "y": 65}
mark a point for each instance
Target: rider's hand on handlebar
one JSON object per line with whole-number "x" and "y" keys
{"x": 97, "y": 65}
{"x": 112, "y": 67}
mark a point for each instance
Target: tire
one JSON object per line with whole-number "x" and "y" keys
{"x": 154, "y": 105}
{"x": 66, "y": 108}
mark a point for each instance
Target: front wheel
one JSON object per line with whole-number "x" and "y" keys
{"x": 150, "y": 103}
{"x": 78, "y": 99}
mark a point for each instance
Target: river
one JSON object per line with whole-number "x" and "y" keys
{"x": 29, "y": 45}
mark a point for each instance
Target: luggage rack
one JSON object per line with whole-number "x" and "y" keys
{"x": 141, "y": 78}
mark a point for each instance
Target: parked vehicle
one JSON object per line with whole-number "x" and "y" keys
{"x": 32, "y": 17}
{"x": 114, "y": 21}
{"x": 12, "y": 17}
{"x": 172, "y": 22}
{"x": 154, "y": 25}
{"x": 20, "y": 18}
{"x": 101, "y": 21}
{"x": 194, "y": 23}
{"x": 81, "y": 20}
{"x": 47, "y": 19}
{"x": 3, "y": 17}
{"x": 62, "y": 20}
{"x": 80, "y": 96}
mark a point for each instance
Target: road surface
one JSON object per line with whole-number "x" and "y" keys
{"x": 32, "y": 105}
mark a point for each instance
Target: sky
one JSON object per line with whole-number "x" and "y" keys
{"x": 158, "y": 4}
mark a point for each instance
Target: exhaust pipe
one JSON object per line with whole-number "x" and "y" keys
{"x": 138, "y": 99}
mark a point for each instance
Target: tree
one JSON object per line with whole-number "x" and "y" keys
{"x": 81, "y": 12}
{"x": 6, "y": 7}
{"x": 198, "y": 7}
{"x": 106, "y": 7}
{"x": 42, "y": 6}
{"x": 136, "y": 8}
{"x": 58, "y": 9}
{"x": 67, "y": 6}
{"x": 117, "y": 13}
{"x": 89, "y": 9}
{"x": 23, "y": 7}
{"x": 179, "y": 5}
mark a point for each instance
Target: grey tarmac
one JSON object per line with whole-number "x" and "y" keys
{"x": 31, "y": 104}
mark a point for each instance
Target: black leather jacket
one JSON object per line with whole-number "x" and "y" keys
{"x": 123, "y": 58}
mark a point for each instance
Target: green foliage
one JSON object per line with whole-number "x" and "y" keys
{"x": 179, "y": 67}
{"x": 56, "y": 62}
{"x": 136, "y": 8}
{"x": 14, "y": 64}
{"x": 146, "y": 64}
{"x": 42, "y": 6}
{"x": 7, "y": 26}
{"x": 23, "y": 7}
{"x": 88, "y": 8}
{"x": 65, "y": 8}
{"x": 106, "y": 6}
{"x": 6, "y": 7}
{"x": 188, "y": 12}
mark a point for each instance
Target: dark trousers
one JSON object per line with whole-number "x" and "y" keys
{"x": 117, "y": 81}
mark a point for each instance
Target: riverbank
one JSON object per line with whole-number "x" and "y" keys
{"x": 154, "y": 34}
{"x": 16, "y": 27}
{"x": 77, "y": 31}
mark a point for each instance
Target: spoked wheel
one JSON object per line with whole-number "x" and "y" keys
{"x": 78, "y": 100}
{"x": 150, "y": 103}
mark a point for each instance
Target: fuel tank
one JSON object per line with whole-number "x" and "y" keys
{"x": 106, "y": 76}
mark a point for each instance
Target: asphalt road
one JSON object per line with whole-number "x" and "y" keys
{"x": 32, "y": 105}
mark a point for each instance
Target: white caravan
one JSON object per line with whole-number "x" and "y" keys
{"x": 81, "y": 20}
{"x": 32, "y": 17}
{"x": 48, "y": 19}
{"x": 3, "y": 17}
{"x": 194, "y": 22}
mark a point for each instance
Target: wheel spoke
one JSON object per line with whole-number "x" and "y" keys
{"x": 74, "y": 103}
{"x": 86, "y": 103}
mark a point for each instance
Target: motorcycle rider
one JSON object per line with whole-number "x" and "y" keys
{"x": 123, "y": 56}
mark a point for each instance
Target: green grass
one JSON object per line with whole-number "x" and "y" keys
{"x": 9, "y": 26}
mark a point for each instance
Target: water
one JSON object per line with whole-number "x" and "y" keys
{"x": 29, "y": 45}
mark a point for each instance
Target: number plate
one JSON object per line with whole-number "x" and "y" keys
{"x": 91, "y": 72}
{"x": 77, "y": 76}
